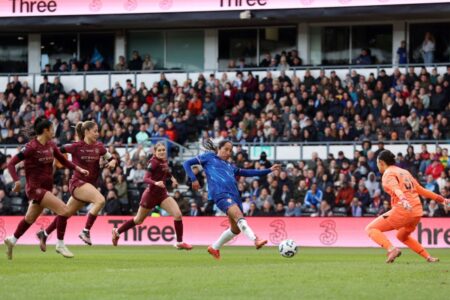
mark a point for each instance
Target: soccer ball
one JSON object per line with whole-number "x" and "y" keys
{"x": 287, "y": 248}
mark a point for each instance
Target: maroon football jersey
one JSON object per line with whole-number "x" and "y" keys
{"x": 157, "y": 170}
{"x": 38, "y": 162}
{"x": 88, "y": 157}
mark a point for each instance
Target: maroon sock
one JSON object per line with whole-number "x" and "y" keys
{"x": 61, "y": 224}
{"x": 127, "y": 225}
{"x": 90, "y": 221}
{"x": 21, "y": 228}
{"x": 51, "y": 227}
{"x": 179, "y": 230}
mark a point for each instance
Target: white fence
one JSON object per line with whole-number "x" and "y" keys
{"x": 284, "y": 152}
{"x": 89, "y": 81}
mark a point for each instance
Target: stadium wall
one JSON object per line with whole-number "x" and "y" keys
{"x": 310, "y": 232}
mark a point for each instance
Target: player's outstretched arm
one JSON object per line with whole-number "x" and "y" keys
{"x": 187, "y": 165}
{"x": 429, "y": 194}
{"x": 255, "y": 172}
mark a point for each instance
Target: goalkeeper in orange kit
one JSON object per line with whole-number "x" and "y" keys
{"x": 406, "y": 208}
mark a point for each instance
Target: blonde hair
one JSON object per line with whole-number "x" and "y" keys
{"x": 157, "y": 145}
{"x": 81, "y": 128}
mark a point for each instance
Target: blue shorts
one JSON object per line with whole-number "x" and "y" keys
{"x": 226, "y": 201}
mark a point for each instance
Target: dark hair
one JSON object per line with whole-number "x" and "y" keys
{"x": 387, "y": 156}
{"x": 209, "y": 145}
{"x": 31, "y": 131}
{"x": 82, "y": 127}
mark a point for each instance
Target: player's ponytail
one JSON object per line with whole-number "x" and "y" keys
{"x": 81, "y": 128}
{"x": 209, "y": 145}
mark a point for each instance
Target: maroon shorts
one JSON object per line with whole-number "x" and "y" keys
{"x": 36, "y": 194}
{"x": 152, "y": 197}
{"x": 75, "y": 183}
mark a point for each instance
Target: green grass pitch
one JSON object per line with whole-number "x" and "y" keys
{"x": 103, "y": 272}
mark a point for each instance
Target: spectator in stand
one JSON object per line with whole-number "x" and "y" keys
{"x": 147, "y": 64}
{"x": 344, "y": 195}
{"x": 135, "y": 63}
{"x": 363, "y": 195}
{"x": 402, "y": 54}
{"x": 121, "y": 65}
{"x": 431, "y": 185}
{"x": 293, "y": 210}
{"x": 428, "y": 48}
{"x": 45, "y": 86}
{"x": 356, "y": 208}
{"x": 313, "y": 197}
{"x": 432, "y": 209}
{"x": 364, "y": 58}
{"x": 435, "y": 169}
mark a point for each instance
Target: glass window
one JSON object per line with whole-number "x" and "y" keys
{"x": 97, "y": 47}
{"x": 377, "y": 39}
{"x": 58, "y": 48}
{"x": 274, "y": 40}
{"x": 330, "y": 45}
{"x": 439, "y": 34}
{"x": 147, "y": 43}
{"x": 237, "y": 44}
{"x": 13, "y": 53}
{"x": 185, "y": 50}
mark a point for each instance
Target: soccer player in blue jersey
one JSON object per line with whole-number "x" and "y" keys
{"x": 222, "y": 188}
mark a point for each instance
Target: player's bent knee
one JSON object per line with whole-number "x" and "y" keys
{"x": 66, "y": 212}
{"x": 401, "y": 236}
{"x": 138, "y": 221}
{"x": 369, "y": 229}
{"x": 30, "y": 219}
{"x": 101, "y": 201}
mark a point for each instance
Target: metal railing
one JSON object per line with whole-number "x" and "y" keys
{"x": 296, "y": 150}
{"x": 189, "y": 73}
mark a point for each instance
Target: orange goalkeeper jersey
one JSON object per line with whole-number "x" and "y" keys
{"x": 400, "y": 184}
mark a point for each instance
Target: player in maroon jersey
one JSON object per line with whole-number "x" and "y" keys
{"x": 38, "y": 156}
{"x": 156, "y": 194}
{"x": 85, "y": 153}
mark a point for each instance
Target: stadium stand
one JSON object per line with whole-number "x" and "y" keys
{"x": 359, "y": 106}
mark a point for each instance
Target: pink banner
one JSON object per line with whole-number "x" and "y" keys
{"x": 312, "y": 232}
{"x": 18, "y": 8}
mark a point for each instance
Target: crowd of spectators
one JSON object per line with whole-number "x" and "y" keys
{"x": 243, "y": 109}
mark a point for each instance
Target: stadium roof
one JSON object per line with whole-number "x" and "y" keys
{"x": 224, "y": 19}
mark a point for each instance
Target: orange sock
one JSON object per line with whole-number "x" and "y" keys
{"x": 416, "y": 247}
{"x": 378, "y": 237}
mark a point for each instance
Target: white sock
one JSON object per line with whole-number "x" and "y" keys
{"x": 60, "y": 243}
{"x": 243, "y": 226}
{"x": 45, "y": 233}
{"x": 13, "y": 239}
{"x": 226, "y": 236}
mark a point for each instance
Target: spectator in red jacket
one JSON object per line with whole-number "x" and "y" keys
{"x": 435, "y": 169}
{"x": 195, "y": 105}
{"x": 345, "y": 195}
